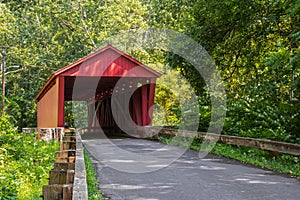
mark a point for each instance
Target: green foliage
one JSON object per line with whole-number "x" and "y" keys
{"x": 172, "y": 14}
{"x": 260, "y": 118}
{"x": 25, "y": 163}
{"x": 69, "y": 116}
{"x": 91, "y": 178}
{"x": 169, "y": 113}
{"x": 204, "y": 112}
{"x": 255, "y": 45}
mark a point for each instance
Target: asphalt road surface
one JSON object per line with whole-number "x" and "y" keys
{"x": 145, "y": 170}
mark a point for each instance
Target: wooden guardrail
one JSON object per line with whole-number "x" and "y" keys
{"x": 270, "y": 145}
{"x": 67, "y": 179}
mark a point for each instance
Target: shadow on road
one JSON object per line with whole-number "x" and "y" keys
{"x": 138, "y": 169}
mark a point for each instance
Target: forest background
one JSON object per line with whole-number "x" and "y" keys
{"x": 254, "y": 44}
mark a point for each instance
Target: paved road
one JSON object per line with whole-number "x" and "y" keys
{"x": 145, "y": 170}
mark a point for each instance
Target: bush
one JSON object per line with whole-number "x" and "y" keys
{"x": 25, "y": 162}
{"x": 261, "y": 118}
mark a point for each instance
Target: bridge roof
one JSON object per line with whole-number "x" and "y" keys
{"x": 106, "y": 62}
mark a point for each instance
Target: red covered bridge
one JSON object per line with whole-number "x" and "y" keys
{"x": 110, "y": 81}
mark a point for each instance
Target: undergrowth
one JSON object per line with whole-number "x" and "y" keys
{"x": 91, "y": 178}
{"x": 284, "y": 163}
{"x": 25, "y": 163}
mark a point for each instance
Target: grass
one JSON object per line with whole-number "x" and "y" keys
{"x": 91, "y": 178}
{"x": 283, "y": 163}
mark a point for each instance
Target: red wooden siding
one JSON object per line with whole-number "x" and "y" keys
{"x": 94, "y": 78}
{"x": 107, "y": 64}
{"x": 47, "y": 108}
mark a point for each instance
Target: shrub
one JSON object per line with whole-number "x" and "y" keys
{"x": 25, "y": 162}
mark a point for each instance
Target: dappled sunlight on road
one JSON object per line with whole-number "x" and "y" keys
{"x": 141, "y": 169}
